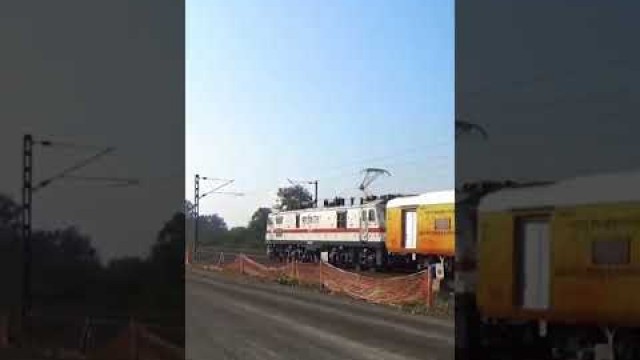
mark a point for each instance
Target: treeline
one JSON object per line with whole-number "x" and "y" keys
{"x": 69, "y": 278}
{"x": 213, "y": 230}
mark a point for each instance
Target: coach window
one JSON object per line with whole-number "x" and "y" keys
{"x": 279, "y": 220}
{"x": 297, "y": 221}
{"x": 442, "y": 224}
{"x": 372, "y": 216}
{"x": 607, "y": 252}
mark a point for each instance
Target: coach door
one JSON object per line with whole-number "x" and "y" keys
{"x": 533, "y": 251}
{"x": 410, "y": 226}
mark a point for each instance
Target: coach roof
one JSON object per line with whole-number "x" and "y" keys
{"x": 430, "y": 198}
{"x": 594, "y": 189}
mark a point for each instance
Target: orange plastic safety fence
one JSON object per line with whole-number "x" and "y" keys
{"x": 414, "y": 288}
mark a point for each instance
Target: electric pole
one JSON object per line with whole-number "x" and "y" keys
{"x": 196, "y": 213}
{"x": 28, "y": 188}
{"x": 196, "y": 203}
{"x": 315, "y": 199}
{"x": 27, "y": 191}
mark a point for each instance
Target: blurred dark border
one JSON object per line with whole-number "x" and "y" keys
{"x": 107, "y": 243}
{"x": 546, "y": 91}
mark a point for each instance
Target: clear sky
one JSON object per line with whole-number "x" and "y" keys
{"x": 318, "y": 90}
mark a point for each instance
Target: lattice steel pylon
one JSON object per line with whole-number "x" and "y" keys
{"x": 196, "y": 203}
{"x": 28, "y": 189}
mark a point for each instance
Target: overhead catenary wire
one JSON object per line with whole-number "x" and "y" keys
{"x": 226, "y": 183}
{"x": 72, "y": 168}
{"x": 116, "y": 181}
{"x": 70, "y": 145}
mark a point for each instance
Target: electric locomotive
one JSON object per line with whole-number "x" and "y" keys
{"x": 348, "y": 235}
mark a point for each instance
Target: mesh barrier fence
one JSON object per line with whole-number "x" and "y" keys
{"x": 408, "y": 289}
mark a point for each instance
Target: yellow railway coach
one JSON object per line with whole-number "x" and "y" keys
{"x": 421, "y": 229}
{"x": 565, "y": 258}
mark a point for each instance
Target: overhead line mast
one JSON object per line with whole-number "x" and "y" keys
{"x": 198, "y": 196}
{"x": 28, "y": 188}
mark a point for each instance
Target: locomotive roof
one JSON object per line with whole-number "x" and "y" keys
{"x": 594, "y": 189}
{"x": 331, "y": 208}
{"x": 429, "y": 198}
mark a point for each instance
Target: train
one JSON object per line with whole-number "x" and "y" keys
{"x": 544, "y": 269}
{"x": 376, "y": 233}
{"x": 557, "y": 269}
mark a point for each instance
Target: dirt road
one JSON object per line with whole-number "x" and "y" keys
{"x": 226, "y": 319}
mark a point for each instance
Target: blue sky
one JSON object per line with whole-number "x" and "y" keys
{"x": 318, "y": 90}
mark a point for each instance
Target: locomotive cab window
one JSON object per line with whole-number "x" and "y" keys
{"x": 606, "y": 252}
{"x": 279, "y": 220}
{"x": 341, "y": 220}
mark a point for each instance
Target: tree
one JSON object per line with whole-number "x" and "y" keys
{"x": 168, "y": 251}
{"x": 211, "y": 228}
{"x": 9, "y": 213}
{"x": 165, "y": 283}
{"x": 213, "y": 224}
{"x": 259, "y": 219}
{"x": 65, "y": 268}
{"x": 188, "y": 208}
{"x": 294, "y": 197}
{"x": 10, "y": 254}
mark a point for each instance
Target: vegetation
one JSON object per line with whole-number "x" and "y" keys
{"x": 294, "y": 198}
{"x": 213, "y": 230}
{"x": 287, "y": 280}
{"x": 69, "y": 279}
